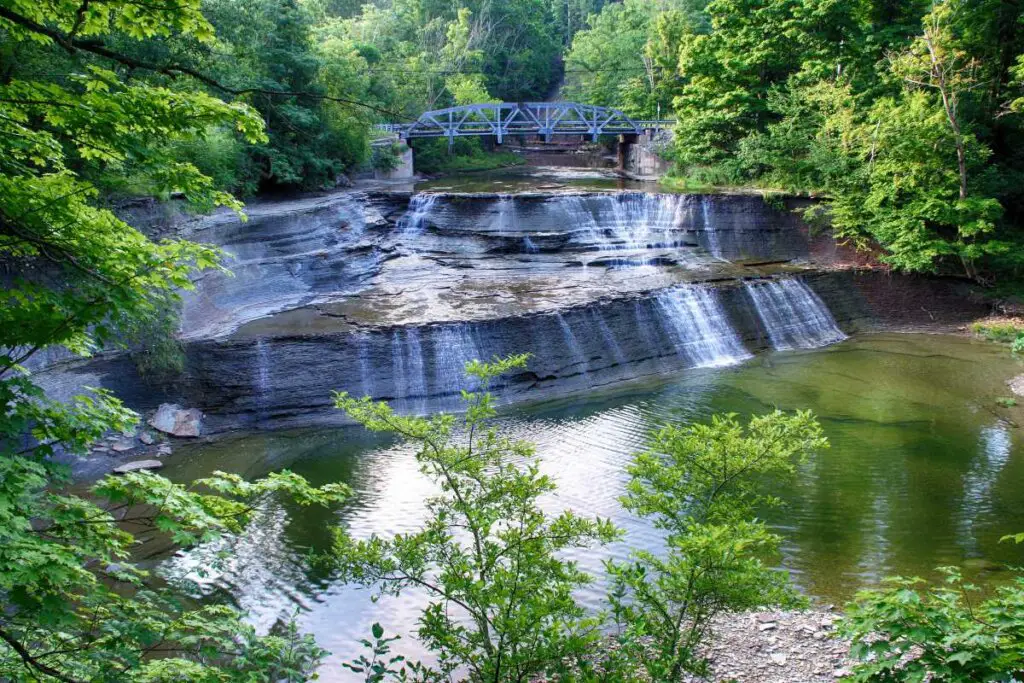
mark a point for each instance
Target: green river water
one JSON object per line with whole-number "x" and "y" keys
{"x": 925, "y": 469}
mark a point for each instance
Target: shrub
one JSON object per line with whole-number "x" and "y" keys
{"x": 700, "y": 483}
{"x": 490, "y": 559}
{"x": 942, "y": 633}
{"x": 1003, "y": 332}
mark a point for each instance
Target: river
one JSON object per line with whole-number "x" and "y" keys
{"x": 924, "y": 469}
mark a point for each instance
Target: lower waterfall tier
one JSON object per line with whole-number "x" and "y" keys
{"x": 289, "y": 380}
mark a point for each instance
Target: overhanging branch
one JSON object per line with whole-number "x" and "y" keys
{"x": 72, "y": 44}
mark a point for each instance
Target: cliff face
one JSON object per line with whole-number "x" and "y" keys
{"x": 387, "y": 295}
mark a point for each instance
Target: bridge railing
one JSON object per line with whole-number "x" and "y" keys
{"x": 532, "y": 118}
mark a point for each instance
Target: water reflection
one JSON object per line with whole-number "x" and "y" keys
{"x": 924, "y": 470}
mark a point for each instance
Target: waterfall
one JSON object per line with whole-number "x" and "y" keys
{"x": 407, "y": 368}
{"x": 262, "y": 374}
{"x": 699, "y": 328}
{"x": 508, "y": 220}
{"x": 793, "y": 315}
{"x": 642, "y": 321}
{"x": 609, "y": 336}
{"x": 627, "y": 220}
{"x": 572, "y": 343}
{"x": 414, "y": 218}
{"x": 454, "y": 346}
{"x": 710, "y": 232}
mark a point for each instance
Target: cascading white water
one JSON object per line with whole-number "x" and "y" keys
{"x": 793, "y": 315}
{"x": 407, "y": 367}
{"x": 262, "y": 374}
{"x": 414, "y": 218}
{"x": 572, "y": 343}
{"x": 699, "y": 327}
{"x": 608, "y": 336}
{"x": 508, "y": 219}
{"x": 454, "y": 346}
{"x": 714, "y": 244}
{"x": 627, "y": 221}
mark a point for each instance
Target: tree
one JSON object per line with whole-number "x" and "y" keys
{"x": 915, "y": 153}
{"x": 75, "y": 606}
{"x": 269, "y": 43}
{"x": 606, "y": 60}
{"x": 753, "y": 47}
{"x": 488, "y": 556}
{"x": 700, "y": 484}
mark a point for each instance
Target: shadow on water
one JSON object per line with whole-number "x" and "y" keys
{"x": 922, "y": 472}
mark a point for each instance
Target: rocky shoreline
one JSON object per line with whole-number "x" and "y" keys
{"x": 776, "y": 646}
{"x": 769, "y": 646}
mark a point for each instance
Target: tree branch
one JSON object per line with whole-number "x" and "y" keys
{"x": 31, "y": 661}
{"x": 72, "y": 44}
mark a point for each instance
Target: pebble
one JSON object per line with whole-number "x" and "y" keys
{"x": 792, "y": 650}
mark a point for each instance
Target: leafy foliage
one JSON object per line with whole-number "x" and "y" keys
{"x": 489, "y": 557}
{"x": 700, "y": 484}
{"x": 76, "y": 606}
{"x": 905, "y": 115}
{"x": 944, "y": 633}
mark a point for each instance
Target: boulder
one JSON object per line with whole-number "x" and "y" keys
{"x": 137, "y": 465}
{"x": 1017, "y": 385}
{"x": 172, "y": 419}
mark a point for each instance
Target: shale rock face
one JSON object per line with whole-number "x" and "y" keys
{"x": 388, "y": 295}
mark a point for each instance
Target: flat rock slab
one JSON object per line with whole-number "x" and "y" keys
{"x": 137, "y": 465}
{"x": 172, "y": 419}
{"x": 122, "y": 445}
{"x": 1017, "y": 385}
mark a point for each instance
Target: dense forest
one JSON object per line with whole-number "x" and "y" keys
{"x": 907, "y": 117}
{"x": 904, "y": 114}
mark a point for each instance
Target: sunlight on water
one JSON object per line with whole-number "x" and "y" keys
{"x": 922, "y": 472}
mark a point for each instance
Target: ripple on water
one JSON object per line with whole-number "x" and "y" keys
{"x": 921, "y": 472}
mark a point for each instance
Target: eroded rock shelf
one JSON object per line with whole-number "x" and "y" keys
{"x": 388, "y": 294}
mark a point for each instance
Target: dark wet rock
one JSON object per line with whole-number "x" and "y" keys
{"x": 122, "y": 445}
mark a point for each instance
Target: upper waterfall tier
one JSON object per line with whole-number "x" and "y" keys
{"x": 373, "y": 260}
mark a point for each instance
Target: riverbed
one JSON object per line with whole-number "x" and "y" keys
{"x": 924, "y": 469}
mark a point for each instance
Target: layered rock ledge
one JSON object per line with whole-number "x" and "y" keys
{"x": 388, "y": 294}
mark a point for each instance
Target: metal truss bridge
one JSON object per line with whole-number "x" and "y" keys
{"x": 522, "y": 118}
